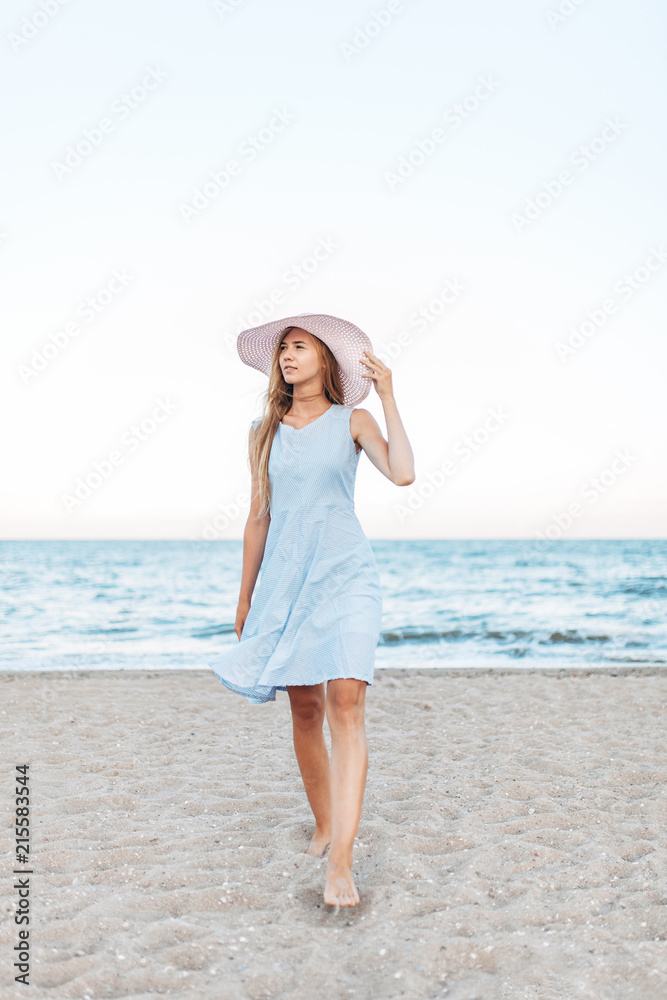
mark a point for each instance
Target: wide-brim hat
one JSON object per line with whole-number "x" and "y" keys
{"x": 345, "y": 341}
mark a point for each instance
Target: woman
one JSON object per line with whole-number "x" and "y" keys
{"x": 314, "y": 623}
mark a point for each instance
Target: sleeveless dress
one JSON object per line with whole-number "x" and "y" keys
{"x": 316, "y": 611}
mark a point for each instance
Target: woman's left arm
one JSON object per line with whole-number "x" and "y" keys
{"x": 394, "y": 457}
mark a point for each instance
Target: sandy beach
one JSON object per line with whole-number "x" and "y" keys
{"x": 512, "y": 844}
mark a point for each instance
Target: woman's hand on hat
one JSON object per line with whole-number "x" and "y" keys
{"x": 380, "y": 374}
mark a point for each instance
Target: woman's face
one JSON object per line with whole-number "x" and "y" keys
{"x": 298, "y": 357}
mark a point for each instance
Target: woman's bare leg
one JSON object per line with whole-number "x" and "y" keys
{"x": 345, "y": 706}
{"x": 307, "y": 703}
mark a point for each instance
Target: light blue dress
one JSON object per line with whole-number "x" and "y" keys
{"x": 316, "y": 610}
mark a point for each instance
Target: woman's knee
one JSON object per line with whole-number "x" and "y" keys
{"x": 346, "y": 699}
{"x": 307, "y": 705}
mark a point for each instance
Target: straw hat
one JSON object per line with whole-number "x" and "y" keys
{"x": 345, "y": 341}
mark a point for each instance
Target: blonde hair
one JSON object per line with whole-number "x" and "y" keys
{"x": 277, "y": 402}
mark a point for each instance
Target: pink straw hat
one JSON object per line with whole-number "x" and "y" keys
{"x": 345, "y": 340}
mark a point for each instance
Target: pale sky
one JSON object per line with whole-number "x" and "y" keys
{"x": 495, "y": 169}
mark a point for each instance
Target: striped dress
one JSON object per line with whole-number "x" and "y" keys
{"x": 316, "y": 611}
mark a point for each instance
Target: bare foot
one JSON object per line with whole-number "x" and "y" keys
{"x": 319, "y": 844}
{"x": 340, "y": 889}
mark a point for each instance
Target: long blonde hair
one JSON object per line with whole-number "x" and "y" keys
{"x": 277, "y": 402}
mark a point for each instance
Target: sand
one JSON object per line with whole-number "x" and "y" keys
{"x": 512, "y": 844}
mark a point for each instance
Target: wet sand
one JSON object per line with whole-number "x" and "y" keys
{"x": 512, "y": 844}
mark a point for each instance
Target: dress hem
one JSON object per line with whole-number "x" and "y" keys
{"x": 264, "y": 693}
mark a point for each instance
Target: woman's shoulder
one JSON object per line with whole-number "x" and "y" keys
{"x": 357, "y": 413}
{"x": 352, "y": 415}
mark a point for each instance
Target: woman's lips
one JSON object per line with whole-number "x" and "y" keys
{"x": 290, "y": 368}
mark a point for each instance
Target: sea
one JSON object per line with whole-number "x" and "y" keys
{"x": 129, "y": 605}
